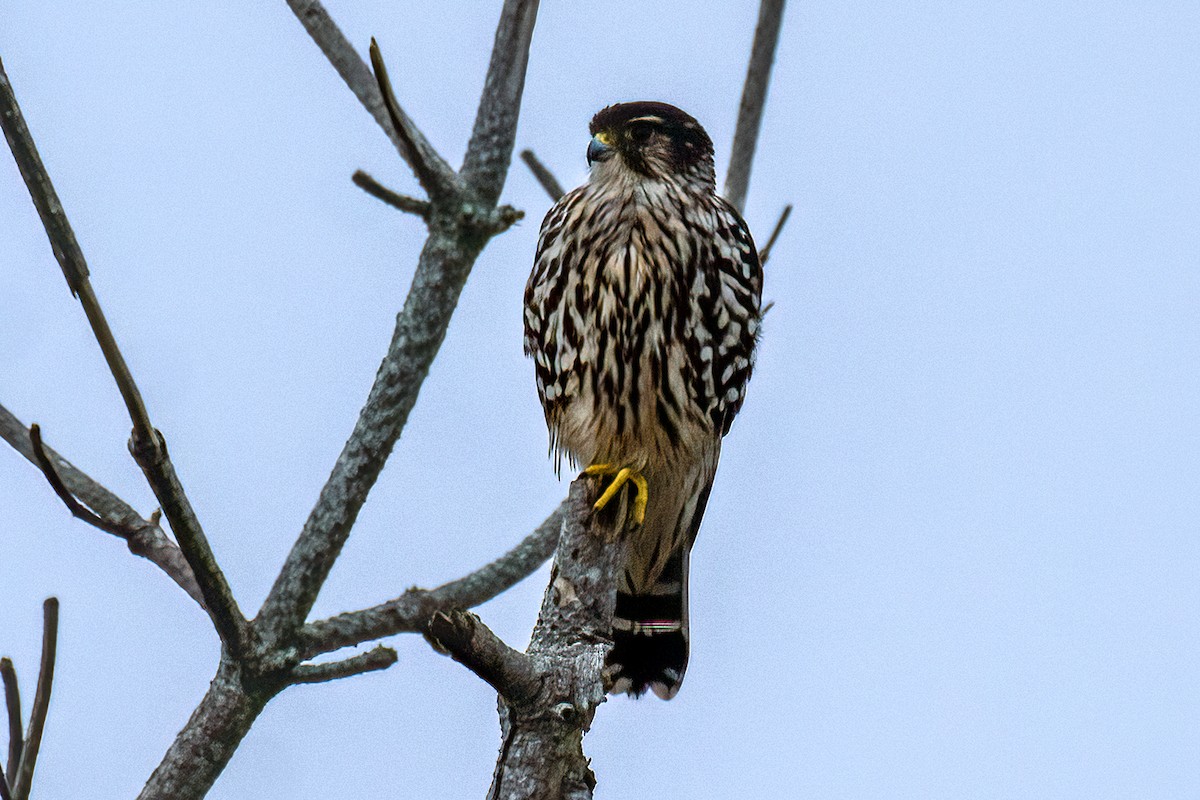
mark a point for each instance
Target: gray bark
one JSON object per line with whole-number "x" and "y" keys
{"x": 541, "y": 756}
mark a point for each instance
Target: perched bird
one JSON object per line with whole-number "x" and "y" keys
{"x": 641, "y": 314}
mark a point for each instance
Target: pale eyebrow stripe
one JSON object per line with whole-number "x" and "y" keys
{"x": 659, "y": 120}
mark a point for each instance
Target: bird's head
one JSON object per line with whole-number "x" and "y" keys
{"x": 649, "y": 140}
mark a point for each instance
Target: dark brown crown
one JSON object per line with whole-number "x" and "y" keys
{"x": 690, "y": 142}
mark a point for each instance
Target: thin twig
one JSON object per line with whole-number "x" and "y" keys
{"x": 45, "y": 199}
{"x": 543, "y": 174}
{"x": 12, "y": 700}
{"x": 409, "y": 205}
{"x": 435, "y": 177}
{"x": 76, "y": 508}
{"x": 410, "y": 612}
{"x": 147, "y": 539}
{"x": 373, "y": 660}
{"x": 765, "y": 251}
{"x": 147, "y": 444}
{"x": 754, "y": 97}
{"x": 41, "y": 700}
{"x": 66, "y": 247}
{"x": 357, "y": 75}
{"x": 4, "y": 791}
{"x": 473, "y": 644}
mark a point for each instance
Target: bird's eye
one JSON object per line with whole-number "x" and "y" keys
{"x": 640, "y": 132}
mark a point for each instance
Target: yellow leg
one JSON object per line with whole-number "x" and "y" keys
{"x": 639, "y": 502}
{"x": 623, "y": 475}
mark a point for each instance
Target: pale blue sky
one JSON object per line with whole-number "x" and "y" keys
{"x": 952, "y": 550}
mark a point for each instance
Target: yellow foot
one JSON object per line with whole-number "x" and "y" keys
{"x": 622, "y": 475}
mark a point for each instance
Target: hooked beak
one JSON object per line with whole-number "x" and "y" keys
{"x": 598, "y": 150}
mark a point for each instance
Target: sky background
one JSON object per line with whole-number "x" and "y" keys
{"x": 952, "y": 550}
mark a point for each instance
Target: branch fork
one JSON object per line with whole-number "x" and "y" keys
{"x": 23, "y": 746}
{"x": 548, "y": 693}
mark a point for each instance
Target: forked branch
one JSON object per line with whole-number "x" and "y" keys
{"x": 414, "y": 148}
{"x": 77, "y": 509}
{"x": 146, "y": 443}
{"x": 23, "y": 749}
{"x": 550, "y": 692}
{"x": 146, "y": 537}
{"x": 466, "y": 218}
{"x": 462, "y": 217}
{"x": 411, "y": 611}
{"x": 542, "y": 752}
{"x": 434, "y": 175}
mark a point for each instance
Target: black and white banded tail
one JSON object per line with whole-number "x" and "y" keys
{"x": 650, "y": 623}
{"x": 650, "y": 633}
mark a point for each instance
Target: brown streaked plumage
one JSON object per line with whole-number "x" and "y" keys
{"x": 642, "y": 313}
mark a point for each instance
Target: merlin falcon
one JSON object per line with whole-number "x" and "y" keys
{"x": 641, "y": 314}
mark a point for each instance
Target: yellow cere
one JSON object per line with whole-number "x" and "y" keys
{"x": 605, "y": 138}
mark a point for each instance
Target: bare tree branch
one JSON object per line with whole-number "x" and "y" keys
{"x": 765, "y": 251}
{"x": 543, "y": 174}
{"x": 754, "y": 97}
{"x": 542, "y": 752}
{"x": 41, "y": 702}
{"x": 490, "y": 150}
{"x": 550, "y": 693}
{"x": 462, "y": 218}
{"x": 147, "y": 444}
{"x": 146, "y": 538}
{"x": 463, "y": 636}
{"x": 225, "y": 715}
{"x": 410, "y": 612}
{"x": 373, "y": 660}
{"x": 503, "y": 218}
{"x": 421, "y": 326}
{"x": 76, "y": 508}
{"x": 12, "y": 701}
{"x": 66, "y": 247}
{"x": 409, "y": 205}
{"x": 45, "y": 199}
{"x": 222, "y": 608}
{"x": 434, "y": 175}
{"x": 202, "y": 749}
{"x": 354, "y": 71}
{"x": 4, "y": 791}
{"x": 459, "y": 229}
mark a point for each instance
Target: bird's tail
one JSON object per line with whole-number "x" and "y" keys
{"x": 650, "y": 623}
{"x": 650, "y": 634}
